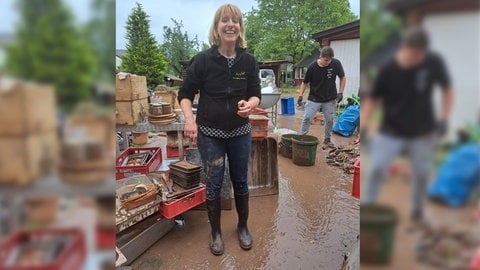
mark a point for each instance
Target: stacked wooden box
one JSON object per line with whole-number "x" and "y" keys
{"x": 169, "y": 96}
{"x": 131, "y": 98}
{"x": 88, "y": 148}
{"x": 28, "y": 132}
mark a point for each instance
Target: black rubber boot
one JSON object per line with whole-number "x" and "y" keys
{"x": 216, "y": 242}
{"x": 241, "y": 203}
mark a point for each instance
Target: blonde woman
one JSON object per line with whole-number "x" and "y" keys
{"x": 227, "y": 78}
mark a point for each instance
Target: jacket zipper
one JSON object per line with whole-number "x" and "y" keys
{"x": 229, "y": 90}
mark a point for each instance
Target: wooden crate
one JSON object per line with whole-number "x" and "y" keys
{"x": 100, "y": 127}
{"x": 129, "y": 112}
{"x": 169, "y": 96}
{"x": 132, "y": 87}
{"x": 26, "y": 158}
{"x": 26, "y": 108}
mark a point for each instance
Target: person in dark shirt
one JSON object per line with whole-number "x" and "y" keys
{"x": 321, "y": 76}
{"x": 404, "y": 87}
{"x": 227, "y": 78}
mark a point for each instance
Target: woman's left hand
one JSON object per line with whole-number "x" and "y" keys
{"x": 244, "y": 108}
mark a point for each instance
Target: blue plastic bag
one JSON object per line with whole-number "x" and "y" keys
{"x": 458, "y": 176}
{"x": 348, "y": 121}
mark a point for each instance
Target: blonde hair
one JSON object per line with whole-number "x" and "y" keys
{"x": 234, "y": 12}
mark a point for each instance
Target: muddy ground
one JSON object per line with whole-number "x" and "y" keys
{"x": 409, "y": 236}
{"x": 311, "y": 224}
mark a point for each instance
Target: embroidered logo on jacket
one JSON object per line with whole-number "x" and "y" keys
{"x": 240, "y": 75}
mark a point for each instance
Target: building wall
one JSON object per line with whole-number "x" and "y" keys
{"x": 456, "y": 37}
{"x": 118, "y": 62}
{"x": 348, "y": 52}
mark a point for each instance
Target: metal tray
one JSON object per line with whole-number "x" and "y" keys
{"x": 133, "y": 216}
{"x": 142, "y": 156}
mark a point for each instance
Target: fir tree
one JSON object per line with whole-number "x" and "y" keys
{"x": 49, "y": 48}
{"x": 143, "y": 54}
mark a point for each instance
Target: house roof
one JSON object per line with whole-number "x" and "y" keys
{"x": 345, "y": 31}
{"x": 172, "y": 77}
{"x": 380, "y": 56}
{"x": 272, "y": 63}
{"x": 401, "y": 7}
{"x": 309, "y": 59}
{"x": 120, "y": 52}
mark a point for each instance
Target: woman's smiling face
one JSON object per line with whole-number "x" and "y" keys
{"x": 228, "y": 29}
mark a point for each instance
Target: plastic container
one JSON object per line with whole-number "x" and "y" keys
{"x": 304, "y": 150}
{"x": 183, "y": 204}
{"x": 356, "y": 179}
{"x": 288, "y": 106}
{"x": 173, "y": 152}
{"x": 475, "y": 263}
{"x": 152, "y": 164}
{"x": 286, "y": 145}
{"x": 71, "y": 256}
{"x": 377, "y": 231}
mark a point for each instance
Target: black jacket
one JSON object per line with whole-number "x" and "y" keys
{"x": 220, "y": 88}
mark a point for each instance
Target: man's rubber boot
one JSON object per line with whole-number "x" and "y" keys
{"x": 216, "y": 242}
{"x": 241, "y": 203}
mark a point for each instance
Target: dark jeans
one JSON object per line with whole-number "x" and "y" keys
{"x": 213, "y": 150}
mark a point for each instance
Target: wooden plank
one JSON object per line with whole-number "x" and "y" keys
{"x": 129, "y": 112}
{"x": 263, "y": 167}
{"x": 26, "y": 108}
{"x": 131, "y": 87}
{"x": 26, "y": 158}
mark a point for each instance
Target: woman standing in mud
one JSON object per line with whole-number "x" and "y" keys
{"x": 227, "y": 78}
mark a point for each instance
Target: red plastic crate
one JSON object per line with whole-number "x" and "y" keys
{"x": 173, "y": 151}
{"x": 105, "y": 238}
{"x": 181, "y": 205}
{"x": 152, "y": 165}
{"x": 356, "y": 179}
{"x": 72, "y": 256}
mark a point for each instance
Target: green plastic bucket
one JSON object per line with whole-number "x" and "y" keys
{"x": 377, "y": 231}
{"x": 304, "y": 150}
{"x": 285, "y": 146}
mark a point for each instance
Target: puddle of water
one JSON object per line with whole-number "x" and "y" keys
{"x": 313, "y": 228}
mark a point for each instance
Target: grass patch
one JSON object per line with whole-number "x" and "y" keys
{"x": 287, "y": 89}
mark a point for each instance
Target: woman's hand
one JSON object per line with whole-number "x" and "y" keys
{"x": 190, "y": 129}
{"x": 244, "y": 108}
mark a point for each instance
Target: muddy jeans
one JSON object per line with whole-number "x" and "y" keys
{"x": 384, "y": 150}
{"x": 311, "y": 108}
{"x": 213, "y": 150}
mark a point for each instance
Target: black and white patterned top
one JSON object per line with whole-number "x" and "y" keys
{"x": 222, "y": 134}
{"x": 230, "y": 61}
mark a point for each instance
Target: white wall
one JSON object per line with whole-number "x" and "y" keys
{"x": 348, "y": 52}
{"x": 118, "y": 61}
{"x": 457, "y": 38}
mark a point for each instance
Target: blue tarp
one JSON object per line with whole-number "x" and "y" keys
{"x": 348, "y": 121}
{"x": 458, "y": 176}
